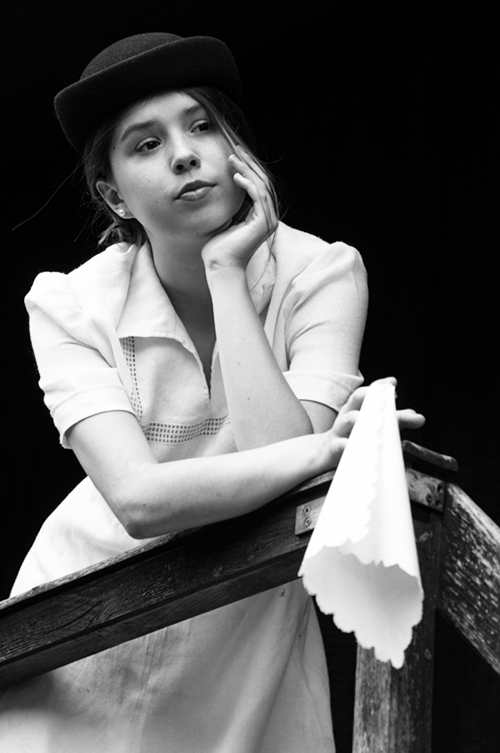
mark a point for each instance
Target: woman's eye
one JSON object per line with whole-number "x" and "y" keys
{"x": 147, "y": 145}
{"x": 203, "y": 126}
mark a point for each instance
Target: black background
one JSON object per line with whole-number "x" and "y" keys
{"x": 380, "y": 120}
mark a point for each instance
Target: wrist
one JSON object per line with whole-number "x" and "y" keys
{"x": 225, "y": 277}
{"x": 314, "y": 454}
{"x": 326, "y": 451}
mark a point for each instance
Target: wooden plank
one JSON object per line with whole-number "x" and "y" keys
{"x": 427, "y": 460}
{"x": 470, "y": 574}
{"x": 393, "y": 707}
{"x": 152, "y": 587}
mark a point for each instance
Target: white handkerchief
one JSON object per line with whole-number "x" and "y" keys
{"x": 361, "y": 562}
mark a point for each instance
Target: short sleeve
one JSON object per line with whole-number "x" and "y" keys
{"x": 75, "y": 377}
{"x": 324, "y": 318}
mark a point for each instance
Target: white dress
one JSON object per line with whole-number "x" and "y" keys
{"x": 249, "y": 677}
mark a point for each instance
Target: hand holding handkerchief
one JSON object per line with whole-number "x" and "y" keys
{"x": 361, "y": 562}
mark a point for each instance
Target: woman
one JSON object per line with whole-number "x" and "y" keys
{"x": 196, "y": 368}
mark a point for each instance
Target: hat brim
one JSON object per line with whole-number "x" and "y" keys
{"x": 185, "y": 62}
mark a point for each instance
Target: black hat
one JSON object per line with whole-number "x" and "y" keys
{"x": 137, "y": 67}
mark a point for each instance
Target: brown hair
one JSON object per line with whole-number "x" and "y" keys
{"x": 224, "y": 115}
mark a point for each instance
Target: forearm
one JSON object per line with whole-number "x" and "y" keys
{"x": 154, "y": 499}
{"x": 262, "y": 406}
{"x": 151, "y": 498}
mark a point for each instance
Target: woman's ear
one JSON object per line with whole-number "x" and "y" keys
{"x": 113, "y": 199}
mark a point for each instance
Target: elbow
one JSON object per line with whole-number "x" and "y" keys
{"x": 140, "y": 501}
{"x": 133, "y": 512}
{"x": 135, "y": 525}
{"x": 131, "y": 517}
{"x": 140, "y": 524}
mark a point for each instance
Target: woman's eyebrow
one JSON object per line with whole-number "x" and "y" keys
{"x": 144, "y": 124}
{"x": 137, "y": 127}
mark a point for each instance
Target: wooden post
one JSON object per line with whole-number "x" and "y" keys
{"x": 469, "y": 589}
{"x": 393, "y": 707}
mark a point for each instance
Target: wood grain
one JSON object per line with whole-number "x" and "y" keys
{"x": 393, "y": 707}
{"x": 152, "y": 587}
{"x": 469, "y": 591}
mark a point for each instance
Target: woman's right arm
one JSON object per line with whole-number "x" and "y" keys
{"x": 151, "y": 498}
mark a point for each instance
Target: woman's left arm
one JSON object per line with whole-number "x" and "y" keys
{"x": 262, "y": 405}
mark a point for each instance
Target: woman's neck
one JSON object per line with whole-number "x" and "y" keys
{"x": 181, "y": 271}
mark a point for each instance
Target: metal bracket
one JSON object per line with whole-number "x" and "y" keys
{"x": 425, "y": 490}
{"x": 307, "y": 516}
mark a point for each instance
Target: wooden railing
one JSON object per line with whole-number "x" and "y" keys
{"x": 184, "y": 575}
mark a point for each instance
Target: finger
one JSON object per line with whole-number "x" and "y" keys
{"x": 251, "y": 163}
{"x": 387, "y": 380}
{"x": 250, "y": 185}
{"x": 257, "y": 193}
{"x": 357, "y": 397}
{"x": 344, "y": 424}
{"x": 410, "y": 419}
{"x": 258, "y": 205}
{"x": 263, "y": 207}
{"x": 245, "y": 167}
{"x": 337, "y": 447}
{"x": 355, "y": 400}
{"x": 250, "y": 169}
{"x": 252, "y": 172}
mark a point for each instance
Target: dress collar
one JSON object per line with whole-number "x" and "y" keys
{"x": 148, "y": 312}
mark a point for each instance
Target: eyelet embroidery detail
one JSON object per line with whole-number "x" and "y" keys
{"x": 128, "y": 347}
{"x": 177, "y": 433}
{"x": 166, "y": 433}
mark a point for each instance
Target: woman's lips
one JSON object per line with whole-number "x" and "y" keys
{"x": 194, "y": 194}
{"x": 195, "y": 190}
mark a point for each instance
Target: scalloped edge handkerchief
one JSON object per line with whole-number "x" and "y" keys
{"x": 361, "y": 563}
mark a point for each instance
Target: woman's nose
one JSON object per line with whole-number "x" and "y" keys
{"x": 184, "y": 157}
{"x": 181, "y": 164}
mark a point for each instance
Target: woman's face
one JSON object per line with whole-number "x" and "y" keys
{"x": 170, "y": 170}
